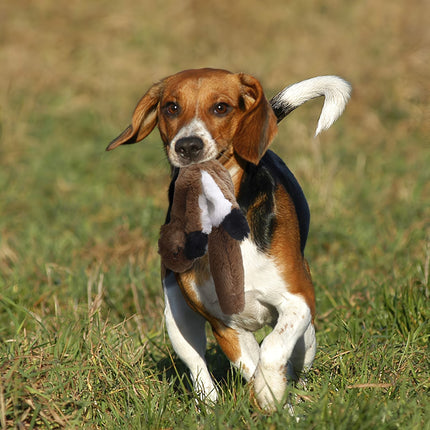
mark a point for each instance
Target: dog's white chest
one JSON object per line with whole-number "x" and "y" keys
{"x": 264, "y": 289}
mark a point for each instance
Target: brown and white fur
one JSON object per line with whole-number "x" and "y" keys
{"x": 209, "y": 113}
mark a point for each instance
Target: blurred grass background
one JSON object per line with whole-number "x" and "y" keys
{"x": 81, "y": 307}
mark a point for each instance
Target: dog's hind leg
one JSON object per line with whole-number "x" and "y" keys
{"x": 186, "y": 330}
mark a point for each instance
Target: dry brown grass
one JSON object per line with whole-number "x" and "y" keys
{"x": 105, "y": 54}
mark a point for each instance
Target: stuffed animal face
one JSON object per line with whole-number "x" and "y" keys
{"x": 171, "y": 247}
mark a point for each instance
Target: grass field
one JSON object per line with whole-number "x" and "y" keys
{"x": 82, "y": 340}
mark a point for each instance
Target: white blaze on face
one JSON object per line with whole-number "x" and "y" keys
{"x": 195, "y": 128}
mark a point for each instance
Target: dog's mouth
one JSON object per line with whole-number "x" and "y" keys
{"x": 184, "y": 161}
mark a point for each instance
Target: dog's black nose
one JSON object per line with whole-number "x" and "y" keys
{"x": 189, "y": 147}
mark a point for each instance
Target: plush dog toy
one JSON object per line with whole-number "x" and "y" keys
{"x": 205, "y": 217}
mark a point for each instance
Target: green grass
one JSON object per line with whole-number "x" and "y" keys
{"x": 82, "y": 339}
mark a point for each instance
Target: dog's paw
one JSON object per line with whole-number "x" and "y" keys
{"x": 269, "y": 386}
{"x": 236, "y": 225}
{"x": 196, "y": 244}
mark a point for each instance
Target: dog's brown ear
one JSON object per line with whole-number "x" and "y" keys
{"x": 257, "y": 127}
{"x": 144, "y": 118}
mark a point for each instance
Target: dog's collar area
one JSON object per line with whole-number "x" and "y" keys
{"x": 220, "y": 155}
{"x": 223, "y": 155}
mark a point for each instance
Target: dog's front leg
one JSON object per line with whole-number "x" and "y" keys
{"x": 186, "y": 330}
{"x": 240, "y": 347}
{"x": 270, "y": 379}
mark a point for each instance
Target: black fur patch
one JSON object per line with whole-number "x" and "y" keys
{"x": 256, "y": 199}
{"x": 283, "y": 175}
{"x": 281, "y": 110}
{"x": 257, "y": 193}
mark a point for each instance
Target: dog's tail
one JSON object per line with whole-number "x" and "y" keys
{"x": 335, "y": 90}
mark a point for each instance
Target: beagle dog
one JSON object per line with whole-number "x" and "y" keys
{"x": 207, "y": 114}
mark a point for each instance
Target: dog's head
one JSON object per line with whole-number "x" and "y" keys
{"x": 204, "y": 114}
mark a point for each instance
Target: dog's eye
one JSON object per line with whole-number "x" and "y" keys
{"x": 171, "y": 109}
{"x": 221, "y": 109}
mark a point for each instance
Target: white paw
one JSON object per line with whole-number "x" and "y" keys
{"x": 269, "y": 387}
{"x": 206, "y": 391}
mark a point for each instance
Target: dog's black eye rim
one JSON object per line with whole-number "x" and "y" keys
{"x": 171, "y": 109}
{"x": 221, "y": 109}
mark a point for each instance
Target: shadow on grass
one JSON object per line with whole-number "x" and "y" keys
{"x": 172, "y": 369}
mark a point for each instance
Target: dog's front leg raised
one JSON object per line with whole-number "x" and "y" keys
{"x": 270, "y": 379}
{"x": 186, "y": 330}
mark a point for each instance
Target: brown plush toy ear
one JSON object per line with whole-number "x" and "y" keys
{"x": 257, "y": 128}
{"x": 226, "y": 266}
{"x": 144, "y": 118}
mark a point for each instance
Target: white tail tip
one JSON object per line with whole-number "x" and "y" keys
{"x": 335, "y": 90}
